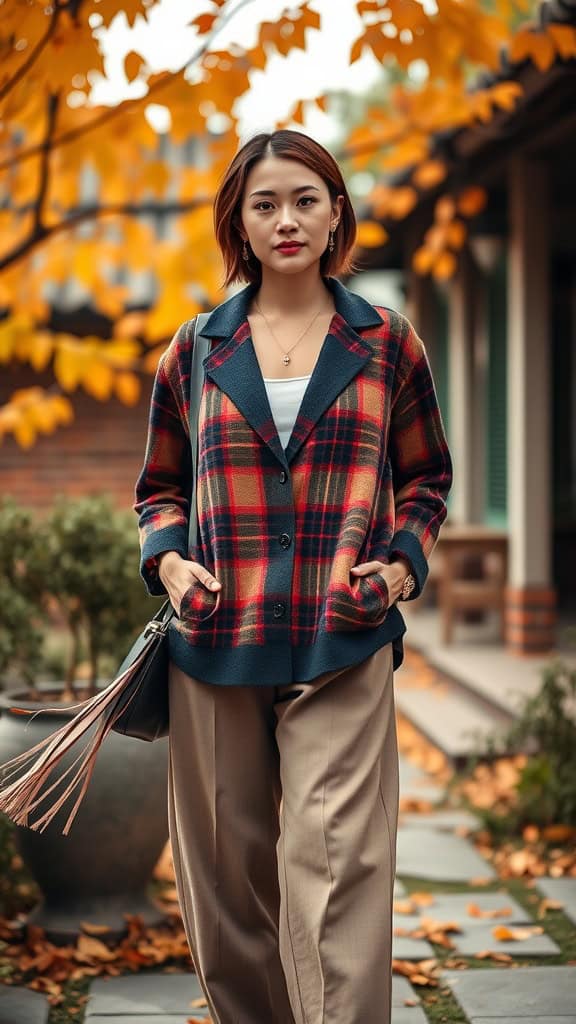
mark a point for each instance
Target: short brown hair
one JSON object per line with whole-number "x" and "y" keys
{"x": 289, "y": 145}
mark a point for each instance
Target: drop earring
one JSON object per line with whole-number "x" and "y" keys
{"x": 331, "y": 243}
{"x": 245, "y": 253}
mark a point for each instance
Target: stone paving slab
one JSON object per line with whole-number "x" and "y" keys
{"x": 406, "y": 948}
{"x": 417, "y": 784}
{"x": 22, "y": 1006}
{"x": 563, "y": 889}
{"x": 163, "y": 1018}
{"x": 439, "y": 856}
{"x": 477, "y": 939}
{"x": 139, "y": 994}
{"x": 570, "y": 1019}
{"x": 402, "y": 990}
{"x": 445, "y": 821}
{"x": 539, "y": 992}
{"x": 452, "y": 906}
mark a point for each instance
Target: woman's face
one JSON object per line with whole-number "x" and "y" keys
{"x": 287, "y": 214}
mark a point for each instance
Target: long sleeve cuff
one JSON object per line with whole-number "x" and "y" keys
{"x": 404, "y": 544}
{"x": 171, "y": 538}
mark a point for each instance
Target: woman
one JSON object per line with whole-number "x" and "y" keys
{"x": 322, "y": 481}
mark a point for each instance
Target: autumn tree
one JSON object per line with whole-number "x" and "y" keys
{"x": 52, "y": 135}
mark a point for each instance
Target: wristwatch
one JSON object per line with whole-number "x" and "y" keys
{"x": 407, "y": 587}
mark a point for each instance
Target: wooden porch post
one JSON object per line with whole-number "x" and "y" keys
{"x": 530, "y": 597}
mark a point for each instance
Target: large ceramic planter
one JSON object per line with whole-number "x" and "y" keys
{"x": 100, "y": 870}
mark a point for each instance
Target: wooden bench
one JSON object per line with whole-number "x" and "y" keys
{"x": 473, "y": 573}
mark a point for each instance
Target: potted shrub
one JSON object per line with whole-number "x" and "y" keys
{"x": 78, "y": 566}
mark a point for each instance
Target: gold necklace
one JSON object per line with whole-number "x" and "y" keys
{"x": 286, "y": 358}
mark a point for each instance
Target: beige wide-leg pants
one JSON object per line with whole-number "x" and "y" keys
{"x": 283, "y": 809}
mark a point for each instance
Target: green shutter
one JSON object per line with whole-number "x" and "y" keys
{"x": 496, "y": 513}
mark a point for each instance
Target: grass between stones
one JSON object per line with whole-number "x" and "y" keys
{"x": 73, "y": 1009}
{"x": 439, "y": 1004}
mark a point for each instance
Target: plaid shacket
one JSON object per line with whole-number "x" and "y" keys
{"x": 365, "y": 476}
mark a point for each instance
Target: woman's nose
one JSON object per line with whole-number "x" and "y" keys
{"x": 287, "y": 218}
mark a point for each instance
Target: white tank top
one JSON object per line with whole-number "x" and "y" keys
{"x": 285, "y": 396}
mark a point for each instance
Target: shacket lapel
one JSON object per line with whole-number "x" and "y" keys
{"x": 233, "y": 365}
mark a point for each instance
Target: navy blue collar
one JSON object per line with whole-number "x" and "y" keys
{"x": 226, "y": 318}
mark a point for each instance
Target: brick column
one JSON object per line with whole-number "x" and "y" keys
{"x": 530, "y": 597}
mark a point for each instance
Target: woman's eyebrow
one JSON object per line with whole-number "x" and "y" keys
{"x": 271, "y": 192}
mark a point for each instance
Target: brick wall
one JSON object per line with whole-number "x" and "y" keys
{"x": 101, "y": 450}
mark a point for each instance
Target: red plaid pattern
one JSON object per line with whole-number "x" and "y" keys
{"x": 365, "y": 476}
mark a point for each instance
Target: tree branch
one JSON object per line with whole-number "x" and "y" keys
{"x": 33, "y": 56}
{"x": 111, "y": 112}
{"x": 53, "y": 101}
{"x": 94, "y": 212}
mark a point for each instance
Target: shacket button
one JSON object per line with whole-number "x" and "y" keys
{"x": 285, "y": 540}
{"x": 283, "y": 476}
{"x": 279, "y": 610}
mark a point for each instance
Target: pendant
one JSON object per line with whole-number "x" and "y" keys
{"x": 286, "y": 359}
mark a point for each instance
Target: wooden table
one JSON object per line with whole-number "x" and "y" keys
{"x": 456, "y": 543}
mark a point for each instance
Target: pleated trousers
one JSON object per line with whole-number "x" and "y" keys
{"x": 283, "y": 811}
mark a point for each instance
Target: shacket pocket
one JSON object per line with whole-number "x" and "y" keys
{"x": 198, "y": 603}
{"x": 360, "y": 605}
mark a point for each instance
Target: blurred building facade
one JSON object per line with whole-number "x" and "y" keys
{"x": 501, "y": 338}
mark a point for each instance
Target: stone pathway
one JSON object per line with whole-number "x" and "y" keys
{"x": 432, "y": 847}
{"x": 543, "y": 994}
{"x": 563, "y": 889}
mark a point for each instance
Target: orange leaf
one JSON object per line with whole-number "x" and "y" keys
{"x": 133, "y": 64}
{"x": 558, "y": 833}
{"x": 401, "y": 202}
{"x": 530, "y": 45}
{"x": 423, "y": 260}
{"x": 94, "y": 929}
{"x": 472, "y": 201}
{"x": 370, "y": 234}
{"x": 429, "y": 174}
{"x": 456, "y": 234}
{"x": 127, "y": 387}
{"x": 94, "y": 949}
{"x": 445, "y": 266}
{"x": 564, "y": 38}
{"x": 473, "y": 910}
{"x": 204, "y": 23}
{"x": 444, "y": 210}
{"x": 506, "y": 934}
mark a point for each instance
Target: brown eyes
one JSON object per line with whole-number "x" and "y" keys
{"x": 303, "y": 200}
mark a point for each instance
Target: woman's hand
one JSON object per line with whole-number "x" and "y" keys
{"x": 178, "y": 574}
{"x": 394, "y": 574}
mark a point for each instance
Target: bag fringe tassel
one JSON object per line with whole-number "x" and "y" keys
{"x": 18, "y": 799}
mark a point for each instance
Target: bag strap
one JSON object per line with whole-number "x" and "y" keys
{"x": 200, "y": 350}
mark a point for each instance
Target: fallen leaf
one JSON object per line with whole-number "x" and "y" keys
{"x": 505, "y": 934}
{"x": 547, "y": 904}
{"x": 475, "y": 911}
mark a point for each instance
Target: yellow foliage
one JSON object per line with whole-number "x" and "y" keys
{"x": 31, "y": 411}
{"x": 445, "y": 266}
{"x": 134, "y": 63}
{"x": 564, "y": 39}
{"x": 127, "y": 387}
{"x": 370, "y": 234}
{"x": 472, "y": 201}
{"x": 528, "y": 44}
{"x": 49, "y": 104}
{"x": 429, "y": 174}
{"x": 456, "y": 233}
{"x": 423, "y": 260}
